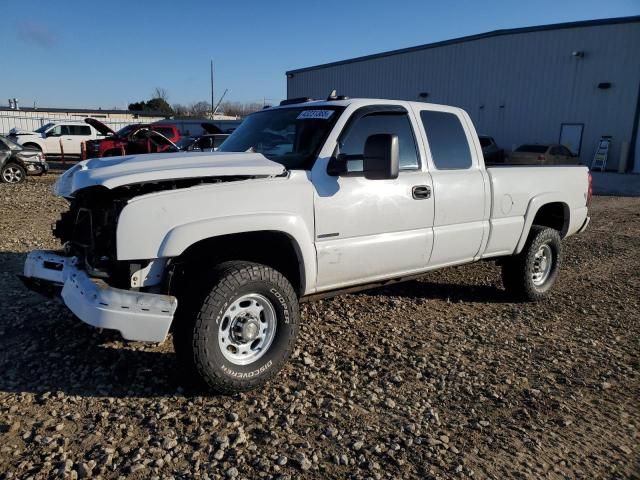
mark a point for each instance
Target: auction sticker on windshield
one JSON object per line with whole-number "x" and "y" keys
{"x": 315, "y": 115}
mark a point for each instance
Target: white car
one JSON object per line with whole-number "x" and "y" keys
{"x": 302, "y": 201}
{"x": 51, "y": 137}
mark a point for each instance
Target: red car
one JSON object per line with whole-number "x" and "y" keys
{"x": 132, "y": 139}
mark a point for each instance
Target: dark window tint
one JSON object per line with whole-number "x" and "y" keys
{"x": 3, "y": 146}
{"x": 167, "y": 132}
{"x": 218, "y": 140}
{"x": 532, "y": 148}
{"x": 205, "y": 143}
{"x": 565, "y": 151}
{"x": 79, "y": 130}
{"x": 447, "y": 140}
{"x": 485, "y": 142}
{"x": 353, "y": 142}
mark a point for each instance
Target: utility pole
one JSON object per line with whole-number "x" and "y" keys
{"x": 212, "y": 104}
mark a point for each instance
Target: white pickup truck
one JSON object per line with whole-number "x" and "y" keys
{"x": 56, "y": 138}
{"x": 304, "y": 200}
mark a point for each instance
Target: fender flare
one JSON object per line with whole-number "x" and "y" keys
{"x": 181, "y": 237}
{"x": 535, "y": 204}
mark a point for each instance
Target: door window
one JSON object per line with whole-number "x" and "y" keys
{"x": 84, "y": 130}
{"x": 447, "y": 140}
{"x": 397, "y": 124}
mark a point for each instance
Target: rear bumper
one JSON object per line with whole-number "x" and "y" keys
{"x": 136, "y": 315}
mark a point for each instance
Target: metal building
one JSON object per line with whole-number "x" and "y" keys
{"x": 567, "y": 83}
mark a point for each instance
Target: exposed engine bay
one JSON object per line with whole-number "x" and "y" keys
{"x": 88, "y": 229}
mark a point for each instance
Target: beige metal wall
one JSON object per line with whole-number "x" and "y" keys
{"x": 518, "y": 88}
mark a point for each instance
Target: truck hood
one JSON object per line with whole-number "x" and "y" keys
{"x": 113, "y": 172}
{"x": 19, "y": 131}
{"x": 99, "y": 126}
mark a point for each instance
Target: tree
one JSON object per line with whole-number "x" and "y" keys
{"x": 137, "y": 106}
{"x": 180, "y": 110}
{"x": 159, "y": 105}
{"x": 161, "y": 93}
{"x": 200, "y": 109}
{"x": 239, "y": 109}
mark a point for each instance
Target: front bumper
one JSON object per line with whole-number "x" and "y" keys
{"x": 136, "y": 315}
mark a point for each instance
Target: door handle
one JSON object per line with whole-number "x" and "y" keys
{"x": 420, "y": 192}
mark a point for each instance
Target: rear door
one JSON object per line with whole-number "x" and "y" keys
{"x": 77, "y": 135}
{"x": 460, "y": 186}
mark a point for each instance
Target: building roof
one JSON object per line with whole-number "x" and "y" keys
{"x": 84, "y": 110}
{"x": 494, "y": 33}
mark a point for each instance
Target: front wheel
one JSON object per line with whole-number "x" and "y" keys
{"x": 531, "y": 274}
{"x": 12, "y": 173}
{"x": 243, "y": 331}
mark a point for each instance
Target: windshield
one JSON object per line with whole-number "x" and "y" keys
{"x": 532, "y": 148}
{"x": 44, "y": 127}
{"x": 290, "y": 136}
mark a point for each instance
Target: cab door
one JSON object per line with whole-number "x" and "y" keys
{"x": 460, "y": 186}
{"x": 53, "y": 138}
{"x": 367, "y": 230}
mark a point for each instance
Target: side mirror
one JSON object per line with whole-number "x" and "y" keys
{"x": 51, "y": 133}
{"x": 381, "y": 157}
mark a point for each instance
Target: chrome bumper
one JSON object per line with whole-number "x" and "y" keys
{"x": 136, "y": 315}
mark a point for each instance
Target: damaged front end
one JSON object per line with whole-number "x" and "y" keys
{"x": 130, "y": 296}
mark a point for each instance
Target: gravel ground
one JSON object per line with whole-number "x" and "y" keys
{"x": 439, "y": 378}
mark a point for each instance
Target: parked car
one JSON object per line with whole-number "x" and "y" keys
{"x": 547, "y": 154}
{"x": 16, "y": 162}
{"x": 49, "y": 138}
{"x": 203, "y": 143}
{"x": 490, "y": 150}
{"x": 129, "y": 140}
{"x": 195, "y": 127}
{"x": 303, "y": 201}
{"x": 208, "y": 142}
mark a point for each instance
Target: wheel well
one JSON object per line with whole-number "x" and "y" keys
{"x": 271, "y": 248}
{"x": 553, "y": 215}
{"x": 32, "y": 145}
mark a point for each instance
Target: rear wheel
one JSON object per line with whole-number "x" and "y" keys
{"x": 12, "y": 173}
{"x": 531, "y": 274}
{"x": 243, "y": 331}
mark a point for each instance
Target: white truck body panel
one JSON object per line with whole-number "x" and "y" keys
{"x": 50, "y": 145}
{"x": 346, "y": 230}
{"x": 114, "y": 172}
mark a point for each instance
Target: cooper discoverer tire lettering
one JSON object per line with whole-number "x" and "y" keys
{"x": 243, "y": 331}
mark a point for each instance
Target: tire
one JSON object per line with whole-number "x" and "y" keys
{"x": 527, "y": 276}
{"x": 213, "y": 337}
{"x": 12, "y": 173}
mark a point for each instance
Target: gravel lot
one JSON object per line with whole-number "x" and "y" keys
{"x": 439, "y": 378}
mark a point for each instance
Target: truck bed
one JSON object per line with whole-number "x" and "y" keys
{"x": 515, "y": 190}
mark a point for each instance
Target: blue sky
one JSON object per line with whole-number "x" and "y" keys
{"x": 107, "y": 54}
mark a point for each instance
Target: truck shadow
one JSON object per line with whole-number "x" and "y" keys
{"x": 43, "y": 348}
{"x": 452, "y": 292}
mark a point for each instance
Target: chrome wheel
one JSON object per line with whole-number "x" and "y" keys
{"x": 542, "y": 264}
{"x": 247, "y": 329}
{"x": 12, "y": 174}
